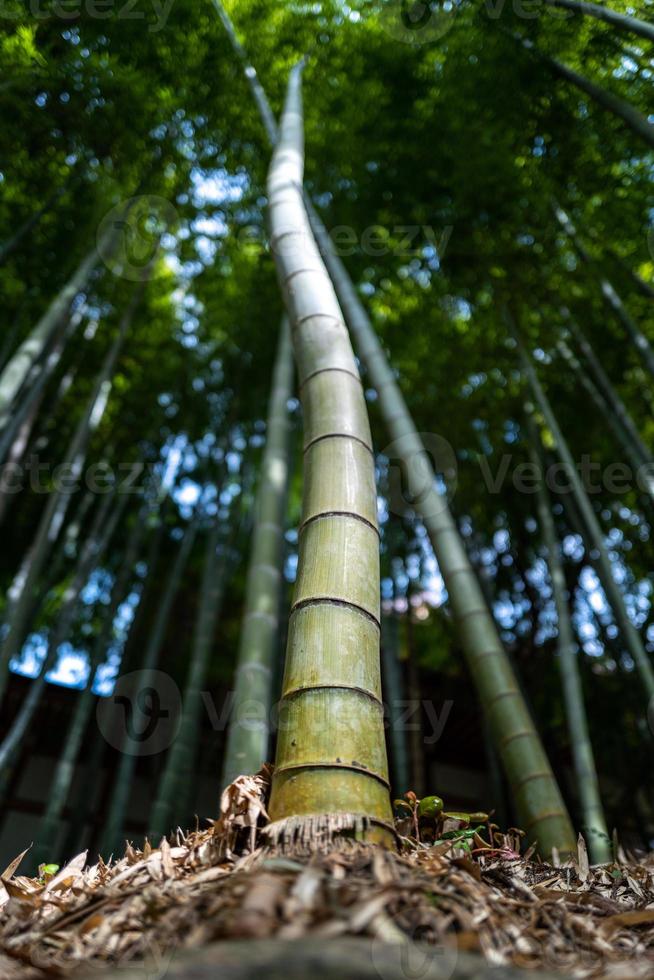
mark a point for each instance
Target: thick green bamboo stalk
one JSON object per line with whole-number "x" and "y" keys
{"x": 619, "y": 107}
{"x": 92, "y": 552}
{"x": 536, "y": 793}
{"x": 331, "y": 756}
{"x": 594, "y": 822}
{"x": 181, "y": 756}
{"x": 393, "y": 688}
{"x": 58, "y": 792}
{"x": 112, "y": 835}
{"x": 57, "y": 504}
{"x": 248, "y": 733}
{"x": 632, "y": 25}
{"x": 609, "y": 294}
{"x": 636, "y": 460}
{"x": 17, "y": 369}
{"x": 630, "y": 635}
{"x": 537, "y": 797}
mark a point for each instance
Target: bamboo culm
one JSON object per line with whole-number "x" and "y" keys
{"x": 58, "y": 501}
{"x": 181, "y": 756}
{"x": 613, "y": 421}
{"x": 331, "y": 754}
{"x": 609, "y": 294}
{"x": 634, "y": 119}
{"x": 630, "y": 634}
{"x": 594, "y": 822}
{"x": 613, "y": 399}
{"x": 91, "y": 554}
{"x": 65, "y": 769}
{"x": 534, "y": 787}
{"x": 17, "y": 369}
{"x": 393, "y": 688}
{"x": 632, "y": 25}
{"x": 129, "y": 752}
{"x": 248, "y": 733}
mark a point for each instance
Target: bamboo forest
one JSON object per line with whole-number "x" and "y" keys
{"x": 326, "y": 489}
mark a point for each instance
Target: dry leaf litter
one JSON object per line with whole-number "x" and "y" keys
{"x": 232, "y": 881}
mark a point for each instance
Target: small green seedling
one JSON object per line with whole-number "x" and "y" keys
{"x": 47, "y": 871}
{"x": 428, "y": 817}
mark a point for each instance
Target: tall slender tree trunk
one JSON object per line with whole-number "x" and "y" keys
{"x": 248, "y": 734}
{"x": 630, "y": 634}
{"x": 181, "y": 756}
{"x": 609, "y": 294}
{"x": 532, "y": 781}
{"x": 617, "y": 106}
{"x": 594, "y": 822}
{"x": 16, "y": 370}
{"x": 57, "y": 504}
{"x": 632, "y": 25}
{"x": 130, "y": 750}
{"x": 393, "y": 688}
{"x": 92, "y": 552}
{"x": 59, "y": 790}
{"x": 331, "y": 755}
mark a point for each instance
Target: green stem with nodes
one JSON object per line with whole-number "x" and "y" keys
{"x": 594, "y": 821}
{"x": 331, "y": 754}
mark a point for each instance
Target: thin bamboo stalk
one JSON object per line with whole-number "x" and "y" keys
{"x": 594, "y": 822}
{"x": 248, "y": 734}
{"x": 632, "y": 25}
{"x": 612, "y": 420}
{"x": 59, "y": 790}
{"x": 393, "y": 687}
{"x": 181, "y": 757}
{"x": 129, "y": 753}
{"x": 17, "y": 369}
{"x": 56, "y": 507}
{"x": 630, "y": 634}
{"x": 609, "y": 293}
{"x": 620, "y": 108}
{"x": 92, "y": 552}
{"x": 613, "y": 399}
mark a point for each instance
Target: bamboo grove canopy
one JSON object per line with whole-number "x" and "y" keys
{"x": 447, "y": 207}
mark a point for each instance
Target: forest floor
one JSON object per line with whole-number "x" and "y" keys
{"x": 144, "y": 912}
